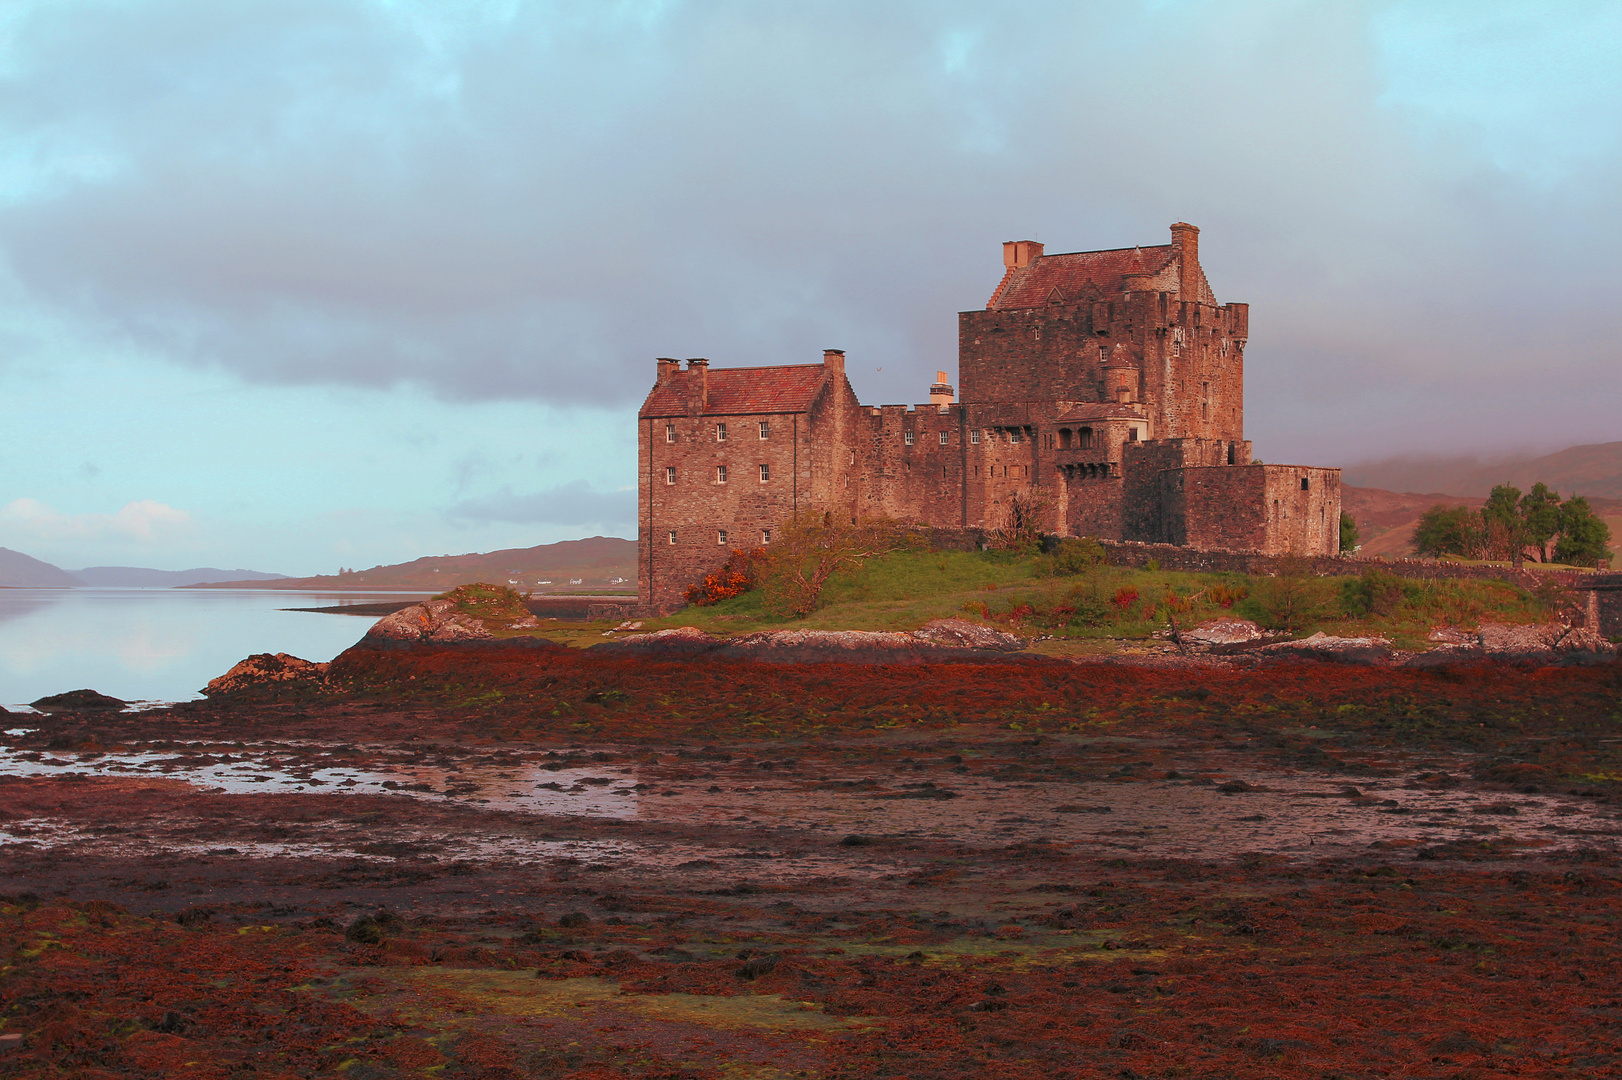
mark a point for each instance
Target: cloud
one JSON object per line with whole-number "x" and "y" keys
{"x": 575, "y": 503}
{"x": 143, "y": 521}
{"x": 530, "y": 200}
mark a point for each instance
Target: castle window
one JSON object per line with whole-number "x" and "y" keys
{"x": 765, "y": 429}
{"x": 1015, "y": 435}
{"x": 974, "y": 436}
{"x": 670, "y": 433}
{"x": 1085, "y": 438}
{"x": 1305, "y": 484}
{"x": 720, "y": 474}
{"x": 720, "y": 433}
{"x": 765, "y": 536}
{"x": 1230, "y": 453}
{"x": 670, "y": 474}
{"x": 721, "y": 537}
{"x": 906, "y": 437}
{"x": 1064, "y": 438}
{"x": 1131, "y": 434}
{"x": 943, "y": 438}
{"x": 765, "y": 473}
{"x": 673, "y": 537}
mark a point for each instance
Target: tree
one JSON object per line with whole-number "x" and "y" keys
{"x": 1449, "y": 530}
{"x": 1540, "y": 510}
{"x": 1348, "y": 532}
{"x": 811, "y": 548}
{"x": 1023, "y": 515}
{"x": 1583, "y": 536}
{"x": 1503, "y": 532}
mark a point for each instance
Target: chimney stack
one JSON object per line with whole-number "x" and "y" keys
{"x": 665, "y": 368}
{"x": 700, "y": 366}
{"x": 1185, "y": 240}
{"x": 834, "y": 361}
{"x": 941, "y": 393}
{"x": 1020, "y": 253}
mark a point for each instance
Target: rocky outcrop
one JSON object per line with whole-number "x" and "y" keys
{"x": 76, "y": 701}
{"x": 1537, "y": 644}
{"x": 432, "y": 622}
{"x": 1225, "y": 631}
{"x": 943, "y": 639}
{"x": 265, "y": 669}
{"x": 1338, "y": 650}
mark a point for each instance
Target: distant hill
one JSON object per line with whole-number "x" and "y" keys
{"x": 139, "y": 577}
{"x": 21, "y": 571}
{"x": 594, "y": 562}
{"x": 1594, "y": 471}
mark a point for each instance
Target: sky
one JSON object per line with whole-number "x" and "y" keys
{"x": 299, "y": 284}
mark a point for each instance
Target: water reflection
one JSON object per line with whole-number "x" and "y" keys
{"x": 158, "y": 644}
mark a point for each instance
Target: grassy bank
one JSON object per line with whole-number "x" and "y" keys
{"x": 1105, "y": 604}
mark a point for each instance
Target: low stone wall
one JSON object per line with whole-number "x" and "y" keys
{"x": 1173, "y": 557}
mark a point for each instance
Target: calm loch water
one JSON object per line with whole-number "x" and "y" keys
{"x": 157, "y": 644}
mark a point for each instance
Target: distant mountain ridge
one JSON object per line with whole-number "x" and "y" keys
{"x": 21, "y": 571}
{"x": 1594, "y": 470}
{"x": 140, "y": 577}
{"x": 594, "y": 561}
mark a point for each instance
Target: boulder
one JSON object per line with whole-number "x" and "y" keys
{"x": 432, "y": 622}
{"x": 1224, "y": 631}
{"x": 963, "y": 634}
{"x": 1498, "y": 639}
{"x": 76, "y": 700}
{"x": 1321, "y": 646}
{"x": 264, "y": 669}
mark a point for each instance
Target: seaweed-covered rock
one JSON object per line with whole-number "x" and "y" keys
{"x": 263, "y": 669}
{"x": 77, "y": 700}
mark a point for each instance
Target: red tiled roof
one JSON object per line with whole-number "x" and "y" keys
{"x": 1087, "y": 275}
{"x": 1102, "y": 410}
{"x": 734, "y": 391}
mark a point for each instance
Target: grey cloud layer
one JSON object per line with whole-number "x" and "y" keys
{"x": 531, "y": 200}
{"x": 574, "y": 504}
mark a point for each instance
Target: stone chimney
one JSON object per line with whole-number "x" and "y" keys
{"x": 834, "y": 361}
{"x": 1185, "y": 241}
{"x": 1021, "y": 253}
{"x": 698, "y": 384}
{"x": 941, "y": 393}
{"x": 666, "y": 369}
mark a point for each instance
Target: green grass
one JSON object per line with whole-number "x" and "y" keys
{"x": 906, "y": 590}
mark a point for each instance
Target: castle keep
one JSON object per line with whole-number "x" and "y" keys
{"x": 1109, "y": 383}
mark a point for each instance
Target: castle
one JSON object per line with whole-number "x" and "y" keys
{"x": 1109, "y": 383}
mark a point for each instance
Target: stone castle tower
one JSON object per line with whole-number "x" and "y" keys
{"x": 1110, "y": 383}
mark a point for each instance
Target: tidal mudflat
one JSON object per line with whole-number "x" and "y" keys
{"x": 509, "y": 863}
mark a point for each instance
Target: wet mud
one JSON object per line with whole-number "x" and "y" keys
{"x": 458, "y": 863}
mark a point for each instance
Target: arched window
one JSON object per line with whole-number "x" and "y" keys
{"x": 1064, "y": 438}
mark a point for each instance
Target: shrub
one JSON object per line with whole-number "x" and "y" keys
{"x": 1125, "y": 597}
{"x": 1376, "y": 591}
{"x": 736, "y": 577}
{"x": 1225, "y": 596}
{"x": 1074, "y": 555}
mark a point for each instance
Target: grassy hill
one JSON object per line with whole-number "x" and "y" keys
{"x": 594, "y": 562}
{"x": 1594, "y": 471}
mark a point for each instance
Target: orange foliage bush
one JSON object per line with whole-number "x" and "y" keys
{"x": 736, "y": 577}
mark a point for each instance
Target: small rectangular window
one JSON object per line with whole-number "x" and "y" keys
{"x": 670, "y": 474}
{"x": 1015, "y": 435}
{"x": 721, "y": 537}
{"x": 974, "y": 436}
{"x": 670, "y": 433}
{"x": 672, "y": 537}
{"x": 765, "y": 473}
{"x": 720, "y": 433}
{"x": 1132, "y": 435}
{"x": 765, "y": 536}
{"x": 765, "y": 429}
{"x": 1305, "y": 484}
{"x": 720, "y": 474}
{"x": 943, "y": 438}
{"x": 906, "y": 437}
